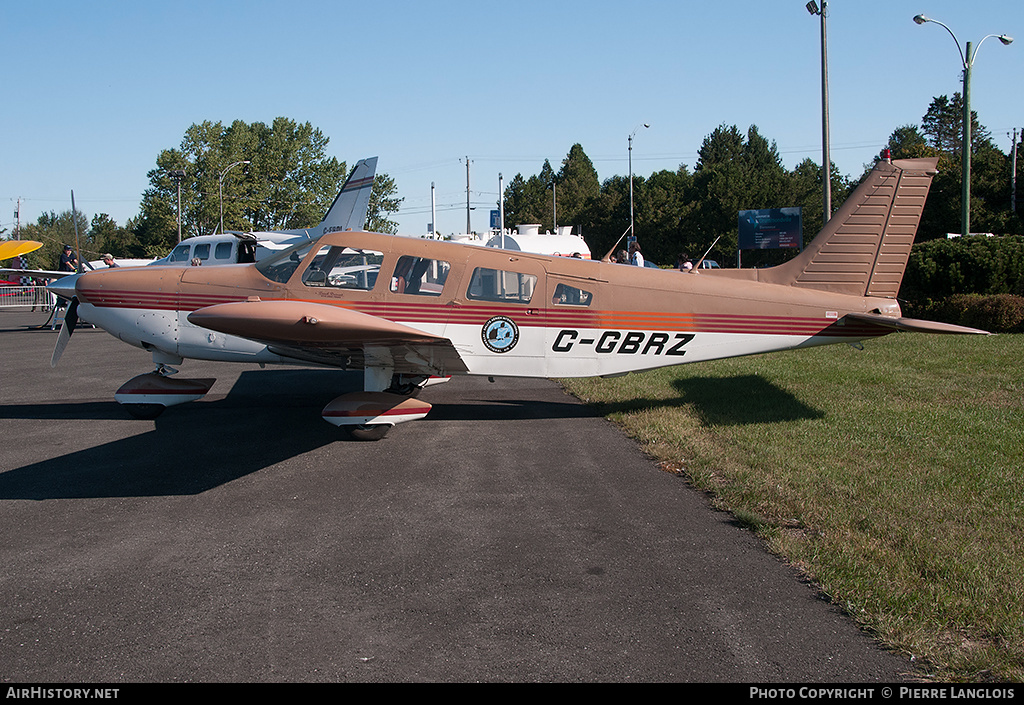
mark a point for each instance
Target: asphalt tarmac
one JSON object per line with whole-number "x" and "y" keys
{"x": 510, "y": 536}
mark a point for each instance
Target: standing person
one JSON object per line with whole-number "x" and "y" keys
{"x": 635, "y": 258}
{"x": 108, "y": 259}
{"x": 68, "y": 261}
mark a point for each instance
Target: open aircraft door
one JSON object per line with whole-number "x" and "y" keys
{"x": 500, "y": 312}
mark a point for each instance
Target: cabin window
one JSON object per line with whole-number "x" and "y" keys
{"x": 419, "y": 276}
{"x": 222, "y": 251}
{"x": 499, "y": 285}
{"x": 343, "y": 268}
{"x": 566, "y": 295}
{"x": 202, "y": 252}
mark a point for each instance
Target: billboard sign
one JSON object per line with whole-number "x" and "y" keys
{"x": 770, "y": 229}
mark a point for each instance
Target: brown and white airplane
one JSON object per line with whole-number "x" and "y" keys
{"x": 406, "y": 310}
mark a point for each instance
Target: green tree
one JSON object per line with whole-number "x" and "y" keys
{"x": 907, "y": 142}
{"x": 105, "y": 235}
{"x": 577, "y": 185}
{"x": 943, "y": 125}
{"x": 384, "y": 200}
{"x": 528, "y": 200}
{"x": 288, "y": 183}
{"x": 733, "y": 173}
{"x": 606, "y": 222}
{"x": 54, "y": 231}
{"x": 661, "y": 205}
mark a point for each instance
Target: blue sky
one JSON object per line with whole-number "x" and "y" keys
{"x": 95, "y": 90}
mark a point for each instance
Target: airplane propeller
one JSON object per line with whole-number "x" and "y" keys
{"x": 67, "y": 327}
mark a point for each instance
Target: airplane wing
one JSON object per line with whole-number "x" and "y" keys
{"x": 38, "y": 273}
{"x": 913, "y": 324}
{"x": 333, "y": 336}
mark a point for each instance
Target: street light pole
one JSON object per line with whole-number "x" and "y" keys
{"x": 826, "y": 160}
{"x": 222, "y": 174}
{"x": 632, "y": 233}
{"x": 968, "y": 62}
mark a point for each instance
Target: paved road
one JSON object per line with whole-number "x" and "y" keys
{"x": 510, "y": 536}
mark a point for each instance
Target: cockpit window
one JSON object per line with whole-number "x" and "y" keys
{"x": 419, "y": 276}
{"x": 343, "y": 268}
{"x": 498, "y": 285}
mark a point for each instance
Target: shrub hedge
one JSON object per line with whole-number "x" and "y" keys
{"x": 975, "y": 281}
{"x": 996, "y": 313}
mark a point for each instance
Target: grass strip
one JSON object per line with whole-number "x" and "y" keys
{"x": 891, "y": 476}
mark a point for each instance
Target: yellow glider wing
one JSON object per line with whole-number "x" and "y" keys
{"x": 16, "y": 248}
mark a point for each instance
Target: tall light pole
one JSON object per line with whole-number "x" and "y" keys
{"x": 826, "y": 160}
{"x": 222, "y": 190}
{"x": 501, "y": 209}
{"x": 632, "y": 233}
{"x": 968, "y": 61}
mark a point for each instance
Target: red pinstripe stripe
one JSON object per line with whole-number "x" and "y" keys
{"x": 479, "y": 314}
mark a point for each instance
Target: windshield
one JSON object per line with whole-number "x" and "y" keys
{"x": 281, "y": 266}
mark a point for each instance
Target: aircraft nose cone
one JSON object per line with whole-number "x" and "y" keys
{"x": 65, "y": 286}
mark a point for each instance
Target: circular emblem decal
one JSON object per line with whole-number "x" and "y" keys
{"x": 500, "y": 334}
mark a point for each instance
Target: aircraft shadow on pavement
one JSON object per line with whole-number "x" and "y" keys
{"x": 267, "y": 417}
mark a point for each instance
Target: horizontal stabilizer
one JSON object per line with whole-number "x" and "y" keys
{"x": 914, "y": 325}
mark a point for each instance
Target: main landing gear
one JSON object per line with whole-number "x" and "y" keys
{"x": 369, "y": 415}
{"x": 364, "y": 416}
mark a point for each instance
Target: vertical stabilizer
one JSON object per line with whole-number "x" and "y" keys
{"x": 348, "y": 212}
{"x": 864, "y": 248}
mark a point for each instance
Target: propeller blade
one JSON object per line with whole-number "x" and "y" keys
{"x": 66, "y": 329}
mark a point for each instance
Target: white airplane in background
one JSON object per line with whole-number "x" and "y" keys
{"x": 347, "y": 212}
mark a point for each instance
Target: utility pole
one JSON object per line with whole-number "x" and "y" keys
{"x": 1013, "y": 175}
{"x": 17, "y": 220}
{"x": 178, "y": 175}
{"x": 554, "y": 208}
{"x": 433, "y": 212}
{"x": 469, "y": 228}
